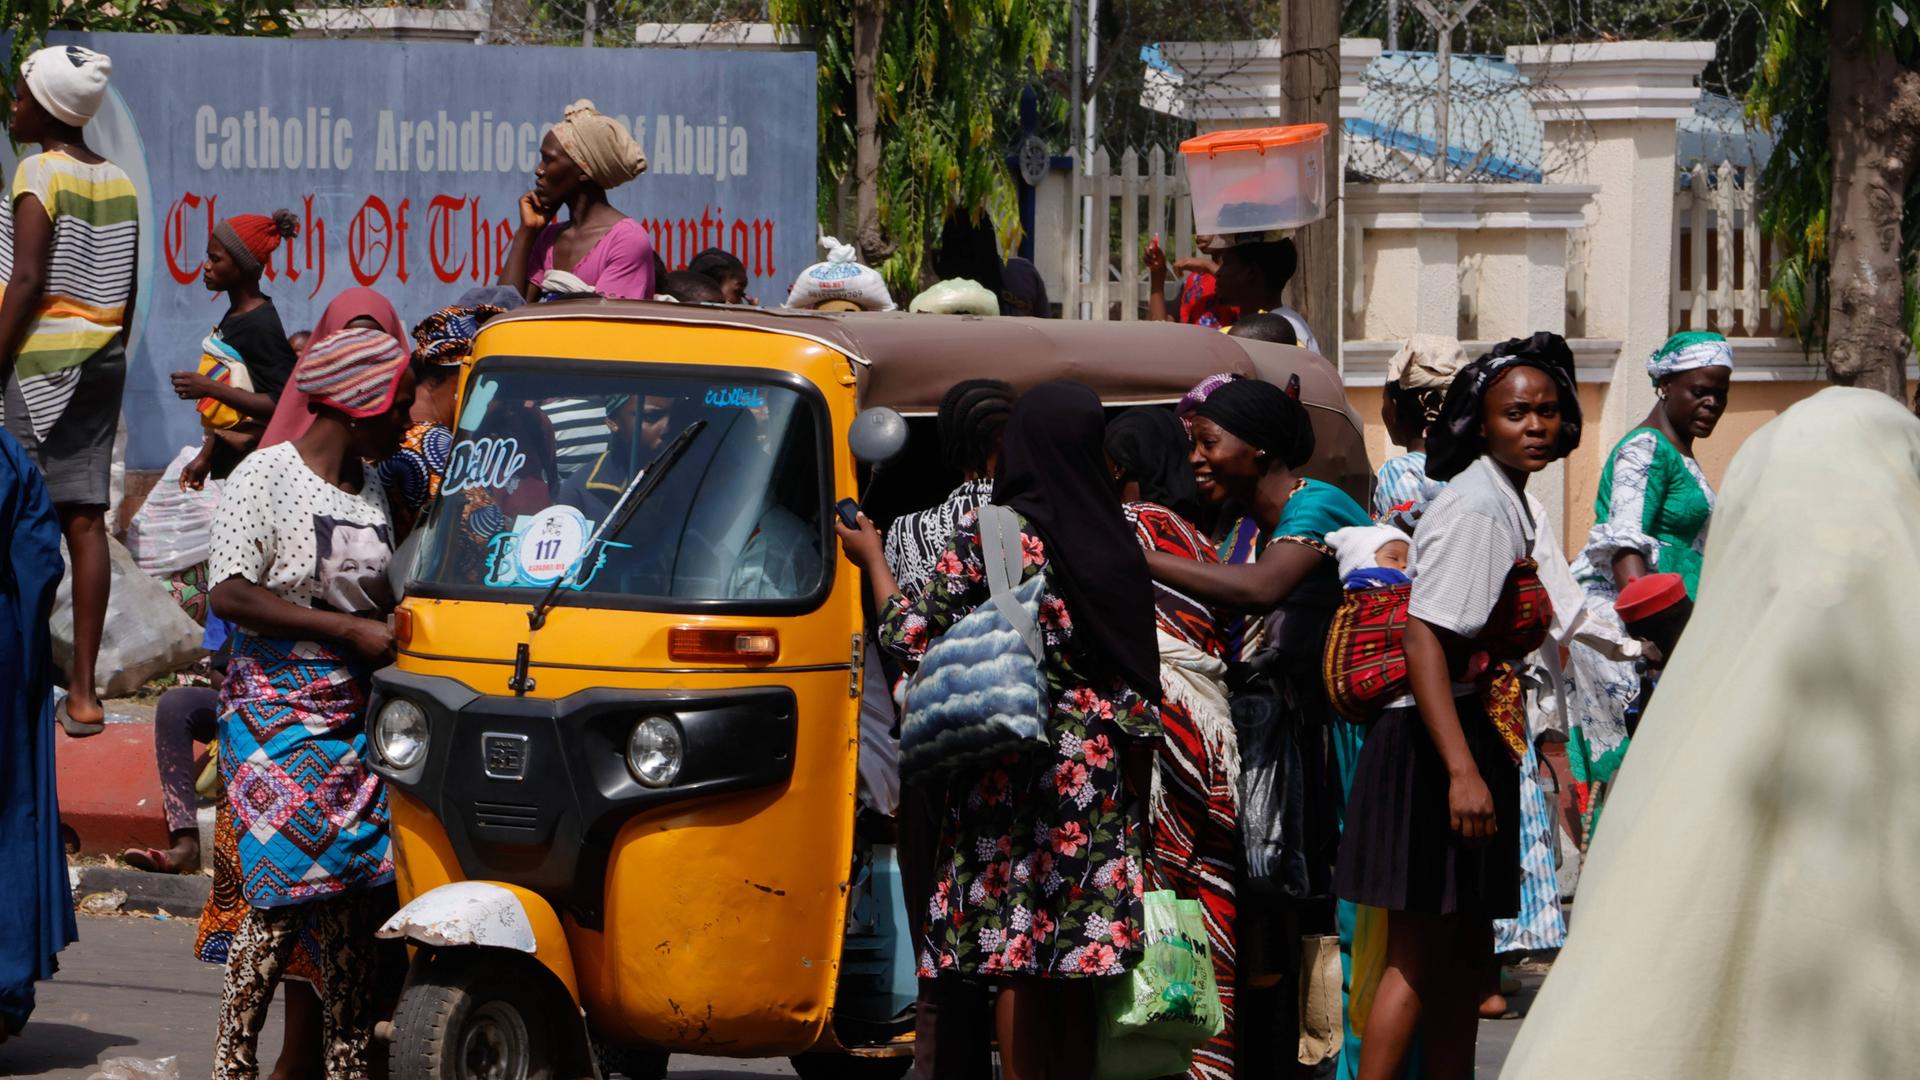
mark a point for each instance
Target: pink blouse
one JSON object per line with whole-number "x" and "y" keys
{"x": 619, "y": 266}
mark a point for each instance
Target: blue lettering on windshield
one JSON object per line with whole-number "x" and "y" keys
{"x": 482, "y": 463}
{"x": 737, "y": 397}
{"x": 506, "y": 565}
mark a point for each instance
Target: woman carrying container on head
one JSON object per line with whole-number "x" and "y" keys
{"x": 585, "y": 156}
{"x": 1432, "y": 820}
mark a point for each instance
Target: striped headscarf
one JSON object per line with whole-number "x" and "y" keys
{"x": 1689, "y": 351}
{"x": 352, "y": 371}
{"x": 445, "y": 338}
{"x": 1201, "y": 391}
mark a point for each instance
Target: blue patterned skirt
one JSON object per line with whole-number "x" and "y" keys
{"x": 310, "y": 816}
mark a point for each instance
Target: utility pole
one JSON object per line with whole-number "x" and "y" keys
{"x": 1310, "y": 94}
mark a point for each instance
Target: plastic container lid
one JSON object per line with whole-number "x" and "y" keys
{"x": 1646, "y": 597}
{"x": 1258, "y": 139}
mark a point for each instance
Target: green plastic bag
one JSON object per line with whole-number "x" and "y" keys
{"x": 1158, "y": 1013}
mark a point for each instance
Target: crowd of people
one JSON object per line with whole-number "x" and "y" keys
{"x": 1188, "y": 569}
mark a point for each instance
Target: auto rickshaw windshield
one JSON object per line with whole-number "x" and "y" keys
{"x": 542, "y": 450}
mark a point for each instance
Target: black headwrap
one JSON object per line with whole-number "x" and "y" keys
{"x": 1152, "y": 446}
{"x": 1023, "y": 292}
{"x": 1459, "y": 435}
{"x": 1053, "y": 472}
{"x": 972, "y": 414}
{"x": 1263, "y": 416}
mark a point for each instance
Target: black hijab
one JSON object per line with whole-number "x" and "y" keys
{"x": 1053, "y": 472}
{"x": 1459, "y": 436}
{"x": 1264, "y": 417}
{"x": 1152, "y": 446}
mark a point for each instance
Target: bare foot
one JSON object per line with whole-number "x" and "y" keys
{"x": 1493, "y": 1006}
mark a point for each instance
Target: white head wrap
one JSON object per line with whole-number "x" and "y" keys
{"x": 1689, "y": 351}
{"x": 68, "y": 81}
{"x": 1426, "y": 361}
{"x": 1358, "y": 545}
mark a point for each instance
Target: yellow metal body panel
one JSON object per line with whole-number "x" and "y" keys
{"x": 429, "y": 859}
{"x": 431, "y": 863}
{"x": 723, "y": 916}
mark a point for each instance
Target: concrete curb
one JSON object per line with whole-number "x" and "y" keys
{"x": 182, "y": 895}
{"x": 109, "y": 786}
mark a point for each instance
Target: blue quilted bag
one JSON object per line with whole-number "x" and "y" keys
{"x": 980, "y": 694}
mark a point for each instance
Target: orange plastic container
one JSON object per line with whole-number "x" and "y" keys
{"x": 1257, "y": 179}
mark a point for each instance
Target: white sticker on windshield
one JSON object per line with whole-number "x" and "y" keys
{"x": 551, "y": 542}
{"x": 543, "y": 548}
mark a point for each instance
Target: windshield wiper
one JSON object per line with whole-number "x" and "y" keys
{"x": 636, "y": 492}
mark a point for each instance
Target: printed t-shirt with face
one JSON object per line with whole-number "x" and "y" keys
{"x": 285, "y": 529}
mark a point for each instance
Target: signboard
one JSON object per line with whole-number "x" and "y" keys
{"x": 405, "y": 163}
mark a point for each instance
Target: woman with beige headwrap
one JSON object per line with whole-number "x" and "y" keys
{"x": 581, "y": 159}
{"x": 1417, "y": 380}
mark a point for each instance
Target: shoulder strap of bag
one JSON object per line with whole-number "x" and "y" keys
{"x": 1000, "y": 551}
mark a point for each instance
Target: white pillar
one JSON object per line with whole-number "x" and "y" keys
{"x": 1416, "y": 235}
{"x": 1610, "y": 111}
{"x": 1355, "y": 55}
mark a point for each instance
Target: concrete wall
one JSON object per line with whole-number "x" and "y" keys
{"x": 1749, "y": 407}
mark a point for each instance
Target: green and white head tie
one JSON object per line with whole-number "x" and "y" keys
{"x": 1687, "y": 352}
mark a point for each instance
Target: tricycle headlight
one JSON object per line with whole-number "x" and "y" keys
{"x": 400, "y": 733}
{"x": 655, "y": 751}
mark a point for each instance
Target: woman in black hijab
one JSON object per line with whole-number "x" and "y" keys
{"x": 1149, "y": 448}
{"x": 1041, "y": 860}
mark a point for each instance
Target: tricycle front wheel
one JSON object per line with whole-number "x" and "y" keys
{"x": 471, "y": 1018}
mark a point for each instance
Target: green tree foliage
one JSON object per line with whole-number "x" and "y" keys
{"x": 1790, "y": 97}
{"x": 32, "y": 20}
{"x": 947, "y": 84}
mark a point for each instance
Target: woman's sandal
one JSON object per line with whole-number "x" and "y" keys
{"x": 76, "y": 728}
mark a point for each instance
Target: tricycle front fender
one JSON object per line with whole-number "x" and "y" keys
{"x": 486, "y": 914}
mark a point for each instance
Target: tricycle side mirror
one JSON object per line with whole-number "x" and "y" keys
{"x": 877, "y": 436}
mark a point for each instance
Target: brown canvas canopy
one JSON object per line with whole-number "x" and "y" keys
{"x": 907, "y": 362}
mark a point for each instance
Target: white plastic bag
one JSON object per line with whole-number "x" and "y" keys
{"x": 146, "y": 634}
{"x": 173, "y": 528}
{"x": 955, "y": 296}
{"x": 133, "y": 1068}
{"x": 841, "y": 277}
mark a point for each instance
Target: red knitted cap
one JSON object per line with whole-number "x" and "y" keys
{"x": 251, "y": 238}
{"x": 1646, "y": 597}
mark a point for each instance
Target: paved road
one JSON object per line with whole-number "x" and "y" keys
{"x": 129, "y": 988}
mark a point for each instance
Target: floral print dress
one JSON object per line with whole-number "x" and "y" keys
{"x": 1040, "y": 861}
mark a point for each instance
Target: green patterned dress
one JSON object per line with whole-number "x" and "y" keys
{"x": 1654, "y": 501}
